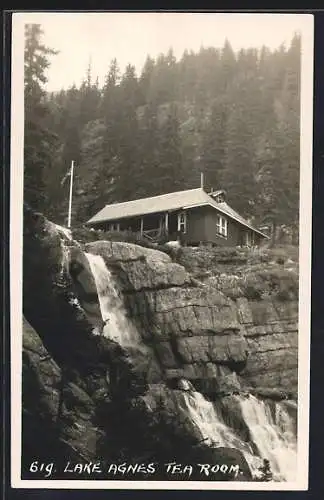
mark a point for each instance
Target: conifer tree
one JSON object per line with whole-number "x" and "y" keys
{"x": 128, "y": 136}
{"x": 170, "y": 172}
{"x": 145, "y": 80}
{"x": 108, "y": 174}
{"x": 239, "y": 177}
{"x": 228, "y": 61}
{"x": 213, "y": 158}
{"x": 89, "y": 98}
{"x": 234, "y": 116}
{"x": 148, "y": 162}
{"x": 40, "y": 141}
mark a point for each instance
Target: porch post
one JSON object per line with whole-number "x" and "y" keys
{"x": 160, "y": 224}
{"x": 142, "y": 225}
{"x": 167, "y": 222}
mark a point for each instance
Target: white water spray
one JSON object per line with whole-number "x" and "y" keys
{"x": 213, "y": 429}
{"x": 272, "y": 432}
{"x": 65, "y": 231}
{"x": 116, "y": 324}
{"x": 274, "y": 435}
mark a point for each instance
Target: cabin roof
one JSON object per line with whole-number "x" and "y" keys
{"x": 167, "y": 202}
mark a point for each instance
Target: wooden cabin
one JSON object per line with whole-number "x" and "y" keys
{"x": 191, "y": 217}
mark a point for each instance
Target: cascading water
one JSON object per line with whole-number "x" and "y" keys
{"x": 65, "y": 231}
{"x": 214, "y": 431}
{"x": 116, "y": 324}
{"x": 273, "y": 436}
{"x": 204, "y": 415}
{"x": 272, "y": 433}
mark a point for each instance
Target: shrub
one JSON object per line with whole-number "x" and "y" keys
{"x": 87, "y": 235}
{"x": 84, "y": 235}
{"x": 252, "y": 292}
{"x": 252, "y": 286}
{"x": 174, "y": 252}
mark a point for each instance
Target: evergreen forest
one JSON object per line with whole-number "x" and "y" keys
{"x": 232, "y": 115}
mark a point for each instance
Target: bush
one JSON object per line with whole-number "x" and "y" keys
{"x": 174, "y": 252}
{"x": 274, "y": 281}
{"x": 87, "y": 235}
{"x": 253, "y": 292}
{"x": 84, "y": 235}
{"x": 279, "y": 254}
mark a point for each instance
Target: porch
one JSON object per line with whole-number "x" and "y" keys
{"x": 154, "y": 227}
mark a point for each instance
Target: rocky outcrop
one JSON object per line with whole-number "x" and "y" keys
{"x": 93, "y": 397}
{"x": 200, "y": 333}
{"x": 271, "y": 331}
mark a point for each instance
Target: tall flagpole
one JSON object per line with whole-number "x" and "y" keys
{"x": 70, "y": 199}
{"x": 202, "y": 180}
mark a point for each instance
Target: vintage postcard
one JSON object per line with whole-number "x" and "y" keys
{"x": 160, "y": 246}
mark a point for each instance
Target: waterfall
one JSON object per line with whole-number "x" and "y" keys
{"x": 271, "y": 428}
{"x": 207, "y": 419}
{"x": 273, "y": 434}
{"x": 214, "y": 431}
{"x": 65, "y": 231}
{"x": 116, "y": 325}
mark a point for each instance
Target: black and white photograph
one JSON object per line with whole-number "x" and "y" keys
{"x": 160, "y": 246}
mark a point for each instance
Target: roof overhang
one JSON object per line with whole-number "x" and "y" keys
{"x": 133, "y": 216}
{"x": 186, "y": 207}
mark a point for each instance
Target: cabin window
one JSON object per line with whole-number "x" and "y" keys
{"x": 221, "y": 226}
{"x": 182, "y": 222}
{"x": 114, "y": 226}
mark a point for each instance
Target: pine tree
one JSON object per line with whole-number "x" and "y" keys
{"x": 72, "y": 130}
{"x": 170, "y": 174}
{"x": 213, "y": 156}
{"x": 40, "y": 141}
{"x": 89, "y": 99}
{"x": 91, "y": 187}
{"x": 208, "y": 85}
{"x": 148, "y": 164}
{"x": 145, "y": 80}
{"x": 187, "y": 77}
{"x": 234, "y": 116}
{"x": 108, "y": 175}
{"x": 290, "y": 131}
{"x": 128, "y": 136}
{"x": 239, "y": 176}
{"x": 163, "y": 88}
{"x": 228, "y": 66}
{"x": 279, "y": 172}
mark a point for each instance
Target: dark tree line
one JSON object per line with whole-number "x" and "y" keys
{"x": 233, "y": 116}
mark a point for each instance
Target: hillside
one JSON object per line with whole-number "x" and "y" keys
{"x": 232, "y": 115}
{"x": 135, "y": 355}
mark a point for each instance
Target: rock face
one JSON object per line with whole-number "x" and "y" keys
{"x": 198, "y": 332}
{"x": 96, "y": 399}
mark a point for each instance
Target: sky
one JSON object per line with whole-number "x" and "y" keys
{"x": 130, "y": 37}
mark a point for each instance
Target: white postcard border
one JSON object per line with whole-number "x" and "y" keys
{"x": 16, "y": 243}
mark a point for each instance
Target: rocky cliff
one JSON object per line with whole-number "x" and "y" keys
{"x": 195, "y": 343}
